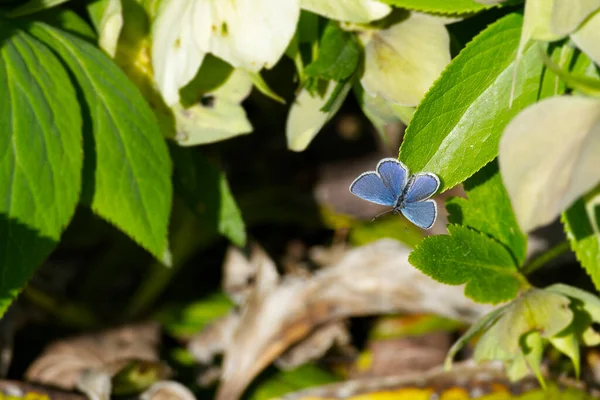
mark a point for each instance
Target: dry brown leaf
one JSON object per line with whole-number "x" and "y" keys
{"x": 369, "y": 280}
{"x": 167, "y": 390}
{"x": 63, "y": 361}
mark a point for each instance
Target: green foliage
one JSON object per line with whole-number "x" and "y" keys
{"x": 338, "y": 55}
{"x": 282, "y": 382}
{"x": 126, "y": 175}
{"x": 439, "y": 6}
{"x": 206, "y": 192}
{"x": 183, "y": 321}
{"x": 467, "y": 256}
{"x": 488, "y": 210}
{"x": 581, "y": 222}
{"x": 456, "y": 128}
{"x": 40, "y": 168}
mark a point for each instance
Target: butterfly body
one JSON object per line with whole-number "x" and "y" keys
{"x": 392, "y": 185}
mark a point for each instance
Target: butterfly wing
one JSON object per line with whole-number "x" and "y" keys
{"x": 369, "y": 186}
{"x": 422, "y": 214}
{"x": 422, "y": 186}
{"x": 394, "y": 175}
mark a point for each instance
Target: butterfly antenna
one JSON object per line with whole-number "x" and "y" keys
{"x": 383, "y": 213}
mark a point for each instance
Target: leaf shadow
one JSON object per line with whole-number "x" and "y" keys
{"x": 23, "y": 250}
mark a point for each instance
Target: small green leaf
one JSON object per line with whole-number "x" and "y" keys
{"x": 467, "y": 256}
{"x": 282, "y": 382}
{"x": 264, "y": 88}
{"x": 456, "y": 128}
{"x": 127, "y": 170}
{"x": 338, "y": 55}
{"x": 183, "y": 321}
{"x": 205, "y": 191}
{"x": 548, "y": 157}
{"x": 40, "y": 168}
{"x": 439, "y": 6}
{"x": 488, "y": 210}
{"x": 582, "y": 222}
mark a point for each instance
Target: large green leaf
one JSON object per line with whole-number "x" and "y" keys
{"x": 467, "y": 256}
{"x": 488, "y": 210}
{"x": 127, "y": 170}
{"x": 439, "y": 6}
{"x": 456, "y": 128}
{"x": 582, "y": 222}
{"x": 40, "y": 167}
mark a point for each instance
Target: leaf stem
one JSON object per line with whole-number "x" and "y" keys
{"x": 546, "y": 257}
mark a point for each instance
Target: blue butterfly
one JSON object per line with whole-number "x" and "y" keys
{"x": 391, "y": 185}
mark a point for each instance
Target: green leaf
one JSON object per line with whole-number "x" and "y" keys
{"x": 205, "y": 191}
{"x": 338, "y": 55}
{"x": 40, "y": 168}
{"x": 467, "y": 256}
{"x": 439, "y": 6}
{"x": 127, "y": 170}
{"x": 263, "y": 87}
{"x": 33, "y": 6}
{"x": 282, "y": 382}
{"x": 456, "y": 128}
{"x": 488, "y": 210}
{"x": 183, "y": 321}
{"x": 581, "y": 222}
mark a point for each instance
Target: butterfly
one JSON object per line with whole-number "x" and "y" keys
{"x": 391, "y": 185}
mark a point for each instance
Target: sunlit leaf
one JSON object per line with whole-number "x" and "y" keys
{"x": 306, "y": 119}
{"x": 107, "y": 16}
{"x": 544, "y": 312}
{"x": 582, "y": 226}
{"x": 185, "y": 30}
{"x": 548, "y": 157}
{"x": 40, "y": 168}
{"x": 587, "y": 37}
{"x": 488, "y": 210}
{"x": 467, "y": 256}
{"x": 457, "y": 127}
{"x": 127, "y": 175}
{"x": 583, "y": 83}
{"x": 439, "y": 6}
{"x": 360, "y": 11}
{"x": 402, "y": 61}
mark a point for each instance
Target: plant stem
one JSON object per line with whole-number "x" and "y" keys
{"x": 546, "y": 257}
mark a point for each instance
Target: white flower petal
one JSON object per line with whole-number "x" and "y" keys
{"x": 180, "y": 37}
{"x": 252, "y": 34}
{"x": 359, "y": 11}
